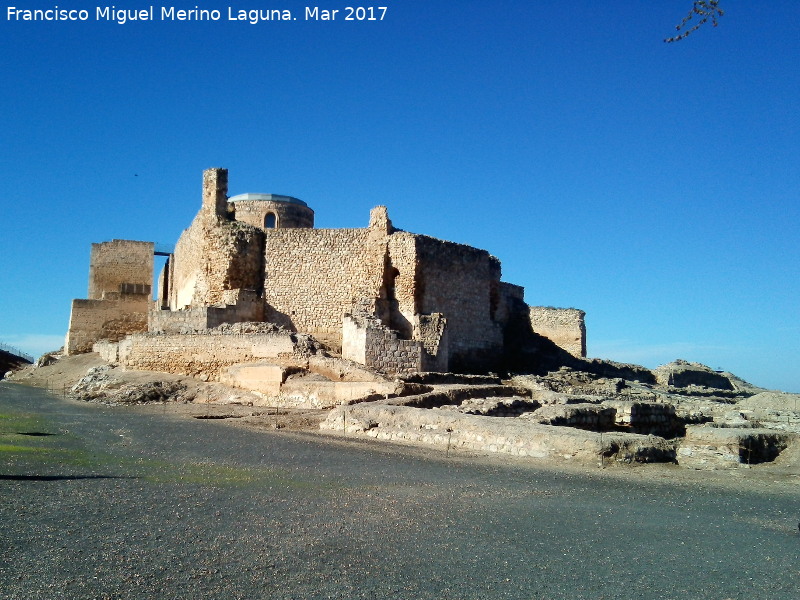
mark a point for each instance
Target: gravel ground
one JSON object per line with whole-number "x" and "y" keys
{"x": 121, "y": 502}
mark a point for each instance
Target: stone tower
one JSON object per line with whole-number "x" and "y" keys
{"x": 215, "y": 192}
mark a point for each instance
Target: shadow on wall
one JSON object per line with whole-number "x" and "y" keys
{"x": 527, "y": 352}
{"x": 281, "y": 319}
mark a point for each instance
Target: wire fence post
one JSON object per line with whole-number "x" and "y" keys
{"x": 449, "y": 437}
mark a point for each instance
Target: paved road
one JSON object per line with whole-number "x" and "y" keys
{"x": 122, "y": 503}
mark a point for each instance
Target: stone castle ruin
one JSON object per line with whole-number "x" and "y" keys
{"x": 384, "y": 298}
{"x": 400, "y": 335}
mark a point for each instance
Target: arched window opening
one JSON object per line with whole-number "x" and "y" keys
{"x": 270, "y": 221}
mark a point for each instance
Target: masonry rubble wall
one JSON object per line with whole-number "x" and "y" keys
{"x": 314, "y": 276}
{"x": 111, "y": 317}
{"x": 201, "y": 353}
{"x": 245, "y": 307}
{"x": 367, "y": 341}
{"x": 302, "y": 393}
{"x": 461, "y": 283}
{"x": 565, "y": 327}
{"x": 582, "y": 416}
{"x": 514, "y": 406}
{"x": 188, "y": 320}
{"x": 213, "y": 257}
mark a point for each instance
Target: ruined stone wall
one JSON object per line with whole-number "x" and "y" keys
{"x": 202, "y": 353}
{"x": 565, "y": 327}
{"x": 119, "y": 261}
{"x": 212, "y": 258}
{"x": 461, "y": 283}
{"x": 389, "y": 354}
{"x": 112, "y": 317}
{"x": 187, "y": 320}
{"x": 199, "y": 318}
{"x": 108, "y": 351}
{"x": 354, "y": 340}
{"x": 431, "y": 331}
{"x": 367, "y": 341}
{"x": 314, "y": 276}
{"x": 215, "y": 255}
{"x": 403, "y": 259}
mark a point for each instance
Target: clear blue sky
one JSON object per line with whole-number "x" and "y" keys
{"x": 653, "y": 185}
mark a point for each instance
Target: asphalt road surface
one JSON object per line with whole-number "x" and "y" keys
{"x": 120, "y": 502}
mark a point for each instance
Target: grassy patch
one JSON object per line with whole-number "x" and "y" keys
{"x": 80, "y": 461}
{"x": 11, "y": 449}
{"x": 25, "y": 449}
{"x": 11, "y": 423}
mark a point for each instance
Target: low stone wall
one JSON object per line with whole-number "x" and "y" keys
{"x": 307, "y": 393}
{"x": 706, "y": 447}
{"x": 565, "y": 327}
{"x": 287, "y": 386}
{"x": 593, "y": 417}
{"x": 263, "y": 377}
{"x": 646, "y": 418}
{"x": 178, "y": 321}
{"x": 448, "y": 429}
{"x": 496, "y": 407}
{"x": 454, "y": 395}
{"x": 434, "y": 378}
{"x": 200, "y": 318}
{"x": 200, "y": 354}
{"x": 337, "y": 369}
{"x": 367, "y": 341}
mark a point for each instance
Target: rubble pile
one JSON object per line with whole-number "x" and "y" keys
{"x": 685, "y": 413}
